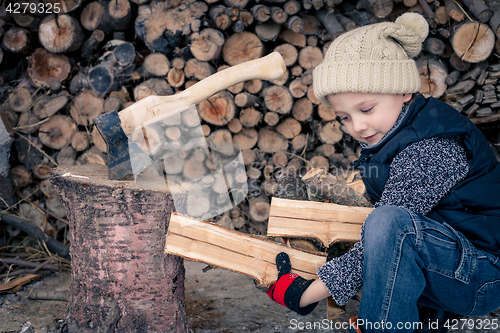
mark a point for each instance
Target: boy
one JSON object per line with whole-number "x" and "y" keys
{"x": 433, "y": 239}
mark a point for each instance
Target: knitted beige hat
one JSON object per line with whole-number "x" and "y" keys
{"x": 375, "y": 58}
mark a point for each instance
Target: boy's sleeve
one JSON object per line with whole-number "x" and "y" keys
{"x": 343, "y": 276}
{"x": 422, "y": 173}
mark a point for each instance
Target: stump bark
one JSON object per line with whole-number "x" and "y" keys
{"x": 121, "y": 279}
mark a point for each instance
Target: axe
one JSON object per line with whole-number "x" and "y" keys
{"x": 116, "y": 126}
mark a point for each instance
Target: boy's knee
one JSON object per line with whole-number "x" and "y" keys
{"x": 387, "y": 220}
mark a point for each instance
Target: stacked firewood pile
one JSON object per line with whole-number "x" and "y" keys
{"x": 64, "y": 62}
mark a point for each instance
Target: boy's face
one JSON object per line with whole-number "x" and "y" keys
{"x": 367, "y": 117}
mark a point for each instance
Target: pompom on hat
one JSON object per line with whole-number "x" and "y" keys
{"x": 376, "y": 58}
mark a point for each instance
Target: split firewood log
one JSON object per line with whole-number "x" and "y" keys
{"x": 245, "y": 100}
{"x": 57, "y": 132}
{"x": 433, "y": 74}
{"x": 154, "y": 86}
{"x": 289, "y": 128}
{"x": 310, "y": 57}
{"x": 296, "y": 39}
{"x": 322, "y": 185}
{"x": 302, "y": 110}
{"x": 85, "y": 107}
{"x": 330, "y": 22}
{"x": 95, "y": 15}
{"x": 246, "y": 139}
{"x": 472, "y": 41}
{"x": 297, "y": 88}
{"x": 28, "y": 122}
{"x": 17, "y": 40}
{"x": 20, "y": 176}
{"x": 250, "y": 117}
{"x": 220, "y": 15}
{"x": 329, "y": 133}
{"x": 176, "y": 77}
{"x": 46, "y": 67}
{"x": 61, "y": 33}
{"x": 90, "y": 46}
{"x": 207, "y": 45}
{"x": 271, "y": 141}
{"x": 195, "y": 68}
{"x": 242, "y": 47}
{"x": 92, "y": 156}
{"x": 155, "y": 64}
{"x": 253, "y": 86}
{"x": 326, "y": 112}
{"x": 268, "y": 32}
{"x": 80, "y": 141}
{"x": 218, "y": 109}
{"x": 66, "y": 156}
{"x": 278, "y": 99}
{"x": 271, "y": 118}
{"x": 20, "y": 99}
{"x": 296, "y": 24}
{"x": 120, "y": 14}
{"x": 259, "y": 208}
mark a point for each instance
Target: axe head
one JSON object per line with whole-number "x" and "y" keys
{"x": 124, "y": 156}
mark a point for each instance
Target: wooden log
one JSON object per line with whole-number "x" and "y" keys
{"x": 25, "y": 16}
{"x": 85, "y": 107}
{"x": 28, "y": 122}
{"x": 261, "y": 13}
{"x": 292, "y": 7}
{"x": 20, "y": 176}
{"x": 6, "y": 188}
{"x": 310, "y": 57}
{"x": 253, "y": 256}
{"x": 326, "y": 222}
{"x": 297, "y": 88}
{"x": 329, "y": 133}
{"x": 17, "y": 40}
{"x": 278, "y": 99}
{"x": 289, "y": 128}
{"x": 433, "y": 74}
{"x": 46, "y": 67}
{"x": 495, "y": 23}
{"x": 268, "y": 32}
{"x": 250, "y": 117}
{"x": 278, "y": 15}
{"x": 296, "y": 39}
{"x": 253, "y": 86}
{"x": 155, "y": 64}
{"x": 120, "y": 14}
{"x": 271, "y": 118}
{"x": 479, "y": 9}
{"x": 458, "y": 63}
{"x": 80, "y": 141}
{"x": 242, "y": 47}
{"x": 472, "y": 42}
{"x": 245, "y": 100}
{"x": 133, "y": 286}
{"x": 296, "y": 24}
{"x": 57, "y": 132}
{"x": 65, "y": 6}
{"x": 207, "y": 45}
{"x": 95, "y": 15}
{"x": 434, "y": 46}
{"x": 271, "y": 141}
{"x": 176, "y": 77}
{"x": 454, "y": 11}
{"x": 218, "y": 109}
{"x": 61, "y": 33}
{"x": 152, "y": 87}
{"x": 20, "y": 99}
{"x": 220, "y": 15}
{"x": 195, "y": 68}
{"x": 330, "y": 22}
{"x": 302, "y": 110}
{"x": 246, "y": 18}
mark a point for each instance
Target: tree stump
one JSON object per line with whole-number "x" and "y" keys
{"x": 121, "y": 279}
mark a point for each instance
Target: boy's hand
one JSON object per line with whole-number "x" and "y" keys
{"x": 289, "y": 288}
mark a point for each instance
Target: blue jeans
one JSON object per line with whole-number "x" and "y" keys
{"x": 410, "y": 259}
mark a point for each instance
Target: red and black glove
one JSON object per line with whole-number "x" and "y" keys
{"x": 289, "y": 288}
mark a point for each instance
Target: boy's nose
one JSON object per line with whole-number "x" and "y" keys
{"x": 360, "y": 126}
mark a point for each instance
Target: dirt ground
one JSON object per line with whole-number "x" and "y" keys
{"x": 216, "y": 301}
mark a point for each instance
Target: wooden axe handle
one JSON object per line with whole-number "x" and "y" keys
{"x": 269, "y": 68}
